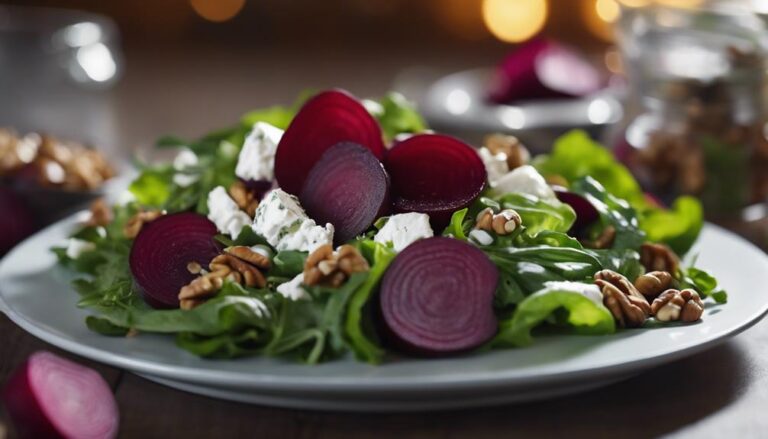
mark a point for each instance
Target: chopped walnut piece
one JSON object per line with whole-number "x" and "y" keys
{"x": 244, "y": 198}
{"x": 237, "y": 264}
{"x": 502, "y": 223}
{"x": 672, "y": 305}
{"x": 135, "y": 223}
{"x": 329, "y": 268}
{"x": 604, "y": 240}
{"x": 628, "y": 306}
{"x": 101, "y": 214}
{"x": 517, "y": 154}
{"x": 659, "y": 257}
{"x": 652, "y": 284}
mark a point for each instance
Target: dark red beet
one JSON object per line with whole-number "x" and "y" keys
{"x": 436, "y": 175}
{"x": 437, "y": 298}
{"x": 16, "y": 220}
{"x": 541, "y": 69}
{"x": 52, "y": 397}
{"x": 161, "y": 252}
{"x": 586, "y": 213}
{"x": 349, "y": 188}
{"x": 259, "y": 187}
{"x": 328, "y": 118}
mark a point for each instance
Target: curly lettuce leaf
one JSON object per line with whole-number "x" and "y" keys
{"x": 459, "y": 226}
{"x": 580, "y": 316}
{"x": 677, "y": 227}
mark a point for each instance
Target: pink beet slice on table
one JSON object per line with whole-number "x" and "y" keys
{"x": 349, "y": 188}
{"x": 162, "y": 251}
{"x": 52, "y": 397}
{"x": 436, "y": 298}
{"x": 541, "y": 69}
{"x": 436, "y": 175}
{"x": 326, "y": 119}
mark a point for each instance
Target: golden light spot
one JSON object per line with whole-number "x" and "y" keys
{"x": 599, "y": 16}
{"x": 217, "y": 10}
{"x": 514, "y": 20}
{"x": 613, "y": 61}
{"x": 635, "y": 3}
{"x": 680, "y": 3}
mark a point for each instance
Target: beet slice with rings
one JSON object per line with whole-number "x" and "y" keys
{"x": 51, "y": 397}
{"x": 436, "y": 298}
{"x": 349, "y": 188}
{"x": 436, "y": 175}
{"x": 330, "y": 117}
{"x": 162, "y": 251}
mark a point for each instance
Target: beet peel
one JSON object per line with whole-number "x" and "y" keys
{"x": 328, "y": 118}
{"x": 50, "y": 396}
{"x": 436, "y": 175}
{"x": 436, "y": 298}
{"x": 349, "y": 188}
{"x": 162, "y": 251}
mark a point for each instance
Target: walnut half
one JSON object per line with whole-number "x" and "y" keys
{"x": 629, "y": 308}
{"x": 654, "y": 283}
{"x": 671, "y": 305}
{"x": 659, "y": 257}
{"x": 332, "y": 268}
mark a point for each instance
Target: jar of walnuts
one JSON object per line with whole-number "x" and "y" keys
{"x": 695, "y": 123}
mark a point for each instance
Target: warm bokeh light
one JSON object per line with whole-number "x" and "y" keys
{"x": 680, "y": 3}
{"x": 607, "y": 10}
{"x": 514, "y": 20}
{"x": 613, "y": 61}
{"x": 599, "y": 16}
{"x": 635, "y": 3}
{"x": 463, "y": 18}
{"x": 217, "y": 10}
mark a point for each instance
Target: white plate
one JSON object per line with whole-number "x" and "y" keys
{"x": 35, "y": 295}
{"x": 459, "y": 100}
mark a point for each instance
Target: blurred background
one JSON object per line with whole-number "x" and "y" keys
{"x": 676, "y": 87}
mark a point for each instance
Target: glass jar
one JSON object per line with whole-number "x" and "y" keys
{"x": 694, "y": 123}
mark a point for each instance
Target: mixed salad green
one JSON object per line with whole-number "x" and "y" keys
{"x": 538, "y": 263}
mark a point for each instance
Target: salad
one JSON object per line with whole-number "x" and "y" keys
{"x": 337, "y": 226}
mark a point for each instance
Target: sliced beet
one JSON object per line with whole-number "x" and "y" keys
{"x": 437, "y": 298}
{"x": 436, "y": 175}
{"x": 586, "y": 213}
{"x": 16, "y": 220}
{"x": 258, "y": 187}
{"x": 52, "y": 397}
{"x": 328, "y": 118}
{"x": 541, "y": 69}
{"x": 349, "y": 188}
{"x": 162, "y": 251}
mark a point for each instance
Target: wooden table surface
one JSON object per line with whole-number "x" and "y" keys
{"x": 720, "y": 393}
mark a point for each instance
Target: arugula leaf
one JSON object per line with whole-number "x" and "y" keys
{"x": 613, "y": 211}
{"x": 153, "y": 186}
{"x": 704, "y": 283}
{"x": 538, "y": 215}
{"x": 581, "y": 316}
{"x": 359, "y": 323}
{"x": 459, "y": 226}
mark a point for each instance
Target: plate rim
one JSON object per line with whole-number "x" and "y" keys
{"x": 457, "y": 381}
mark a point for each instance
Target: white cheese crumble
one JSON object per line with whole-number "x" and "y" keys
{"x": 185, "y": 160}
{"x": 257, "y": 158}
{"x": 223, "y": 211}
{"x": 76, "y": 247}
{"x": 284, "y": 224}
{"x": 496, "y": 165}
{"x": 525, "y": 180}
{"x": 404, "y": 229}
{"x": 590, "y": 291}
{"x": 481, "y": 237}
{"x": 292, "y": 289}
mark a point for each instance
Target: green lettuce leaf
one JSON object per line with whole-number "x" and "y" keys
{"x": 396, "y": 115}
{"x": 581, "y": 316}
{"x": 359, "y": 323}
